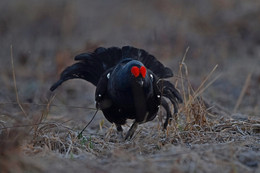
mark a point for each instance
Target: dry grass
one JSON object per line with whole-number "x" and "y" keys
{"x": 197, "y": 138}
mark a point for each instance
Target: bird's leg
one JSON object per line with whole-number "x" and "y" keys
{"x": 168, "y": 112}
{"x": 119, "y": 130}
{"x": 131, "y": 131}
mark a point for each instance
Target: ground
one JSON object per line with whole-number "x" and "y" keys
{"x": 217, "y": 128}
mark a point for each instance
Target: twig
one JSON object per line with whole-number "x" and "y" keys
{"x": 14, "y": 79}
{"x": 80, "y": 134}
{"x": 203, "y": 89}
{"x": 247, "y": 82}
{"x": 44, "y": 114}
{"x": 206, "y": 79}
{"x": 180, "y": 73}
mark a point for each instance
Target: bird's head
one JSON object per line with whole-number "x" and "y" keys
{"x": 138, "y": 73}
{"x": 129, "y": 73}
{"x": 129, "y": 80}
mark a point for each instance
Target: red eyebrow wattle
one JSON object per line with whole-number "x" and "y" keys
{"x": 135, "y": 71}
{"x": 143, "y": 71}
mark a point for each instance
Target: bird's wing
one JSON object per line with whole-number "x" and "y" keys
{"x": 101, "y": 96}
{"x": 101, "y": 89}
{"x": 78, "y": 70}
{"x": 91, "y": 66}
{"x": 148, "y": 60}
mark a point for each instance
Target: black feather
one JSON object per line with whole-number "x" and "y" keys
{"x": 78, "y": 70}
{"x": 55, "y": 85}
{"x": 148, "y": 60}
{"x": 168, "y": 90}
{"x": 93, "y": 65}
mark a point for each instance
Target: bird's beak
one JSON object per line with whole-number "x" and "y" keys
{"x": 140, "y": 82}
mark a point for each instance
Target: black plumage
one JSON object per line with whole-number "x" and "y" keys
{"x": 129, "y": 84}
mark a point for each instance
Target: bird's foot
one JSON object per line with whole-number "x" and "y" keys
{"x": 131, "y": 131}
{"x": 119, "y": 131}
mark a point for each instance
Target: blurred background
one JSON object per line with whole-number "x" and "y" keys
{"x": 46, "y": 35}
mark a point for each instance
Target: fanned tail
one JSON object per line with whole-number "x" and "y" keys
{"x": 109, "y": 57}
{"x": 148, "y": 60}
{"x": 91, "y": 66}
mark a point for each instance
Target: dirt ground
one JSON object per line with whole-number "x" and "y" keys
{"x": 217, "y": 128}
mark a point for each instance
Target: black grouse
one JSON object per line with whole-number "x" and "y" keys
{"x": 129, "y": 84}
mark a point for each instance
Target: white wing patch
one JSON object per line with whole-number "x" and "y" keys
{"x": 108, "y": 75}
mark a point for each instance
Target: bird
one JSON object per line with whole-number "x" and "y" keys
{"x": 130, "y": 84}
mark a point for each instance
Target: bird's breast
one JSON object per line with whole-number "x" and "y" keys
{"x": 122, "y": 97}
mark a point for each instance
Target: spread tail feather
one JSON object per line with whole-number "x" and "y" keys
{"x": 91, "y": 66}
{"x": 148, "y": 60}
{"x": 109, "y": 57}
